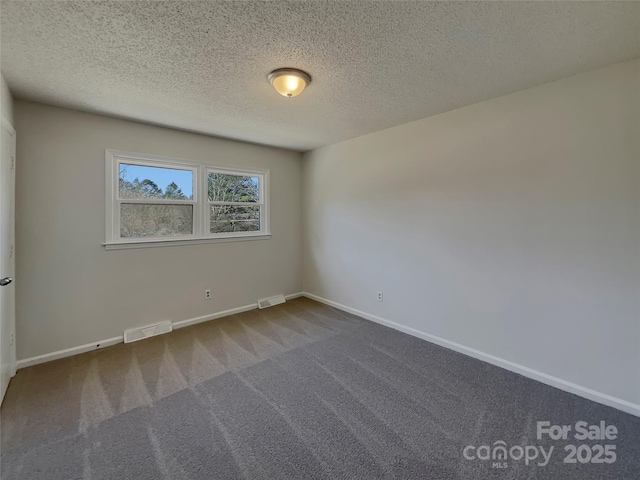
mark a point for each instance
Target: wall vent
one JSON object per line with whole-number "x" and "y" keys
{"x": 271, "y": 301}
{"x": 145, "y": 332}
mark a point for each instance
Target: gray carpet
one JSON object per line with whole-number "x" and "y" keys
{"x": 297, "y": 391}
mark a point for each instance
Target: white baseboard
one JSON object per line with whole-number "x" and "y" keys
{"x": 213, "y": 316}
{"x": 559, "y": 383}
{"x": 68, "y": 352}
{"x": 226, "y": 313}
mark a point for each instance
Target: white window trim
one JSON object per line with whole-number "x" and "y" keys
{"x": 201, "y": 233}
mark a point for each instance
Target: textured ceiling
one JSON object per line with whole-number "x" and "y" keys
{"x": 202, "y": 65}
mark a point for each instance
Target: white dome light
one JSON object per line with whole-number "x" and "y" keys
{"x": 289, "y": 82}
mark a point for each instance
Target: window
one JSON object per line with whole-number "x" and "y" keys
{"x": 154, "y": 201}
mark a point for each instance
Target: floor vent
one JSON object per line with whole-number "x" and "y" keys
{"x": 146, "y": 332}
{"x": 271, "y": 301}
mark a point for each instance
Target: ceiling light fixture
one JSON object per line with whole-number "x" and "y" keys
{"x": 289, "y": 82}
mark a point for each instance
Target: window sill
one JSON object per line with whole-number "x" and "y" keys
{"x": 174, "y": 243}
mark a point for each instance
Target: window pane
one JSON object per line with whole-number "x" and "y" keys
{"x": 139, "y": 181}
{"x": 230, "y": 218}
{"x": 147, "y": 220}
{"x": 233, "y": 188}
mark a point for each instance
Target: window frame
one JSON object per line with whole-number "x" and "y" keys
{"x": 201, "y": 216}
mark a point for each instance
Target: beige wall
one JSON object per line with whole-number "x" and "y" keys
{"x": 510, "y": 227}
{"x": 6, "y": 101}
{"x": 70, "y": 291}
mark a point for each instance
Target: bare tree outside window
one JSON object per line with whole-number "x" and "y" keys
{"x": 230, "y": 203}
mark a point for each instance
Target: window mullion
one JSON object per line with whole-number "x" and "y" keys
{"x": 156, "y": 201}
{"x": 202, "y": 199}
{"x": 237, "y": 204}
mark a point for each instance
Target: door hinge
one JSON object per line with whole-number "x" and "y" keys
{"x": 13, "y": 162}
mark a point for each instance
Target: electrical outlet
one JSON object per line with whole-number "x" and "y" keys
{"x": 207, "y": 294}
{"x": 379, "y": 296}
